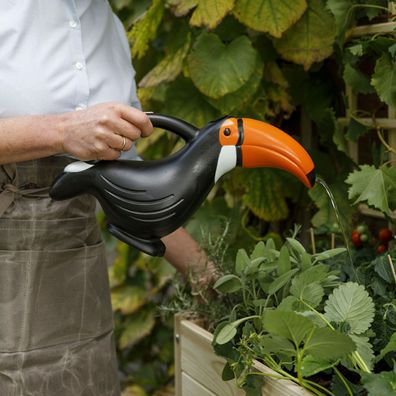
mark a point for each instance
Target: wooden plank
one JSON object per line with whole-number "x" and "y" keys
{"x": 190, "y": 387}
{"x": 200, "y": 363}
{"x": 178, "y": 370}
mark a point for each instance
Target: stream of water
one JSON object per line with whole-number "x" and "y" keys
{"x": 338, "y": 217}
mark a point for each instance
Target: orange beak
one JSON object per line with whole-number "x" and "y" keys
{"x": 264, "y": 145}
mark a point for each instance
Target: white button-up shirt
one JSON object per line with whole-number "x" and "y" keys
{"x": 62, "y": 55}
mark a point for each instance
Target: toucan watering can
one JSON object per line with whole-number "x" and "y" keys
{"x": 146, "y": 200}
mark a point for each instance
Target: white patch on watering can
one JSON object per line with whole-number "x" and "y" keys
{"x": 227, "y": 161}
{"x": 78, "y": 166}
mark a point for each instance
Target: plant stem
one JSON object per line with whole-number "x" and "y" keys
{"x": 341, "y": 377}
{"x": 320, "y": 387}
{"x": 311, "y": 231}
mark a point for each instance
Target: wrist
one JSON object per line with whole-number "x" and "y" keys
{"x": 59, "y": 127}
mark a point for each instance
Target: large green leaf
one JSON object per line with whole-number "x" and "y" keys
{"x": 358, "y": 81}
{"x": 311, "y": 293}
{"x": 137, "y": 327}
{"x": 311, "y": 365}
{"x": 145, "y": 29}
{"x": 128, "y": 299}
{"x": 270, "y": 16}
{"x": 341, "y": 11}
{"x": 182, "y": 7}
{"x": 236, "y": 100}
{"x": 364, "y": 348}
{"x": 350, "y": 304}
{"x": 209, "y": 13}
{"x": 381, "y": 384}
{"x": 218, "y": 69}
{"x": 384, "y": 79}
{"x": 373, "y": 185}
{"x": 183, "y": 100}
{"x": 168, "y": 68}
{"x": 287, "y": 324}
{"x": 311, "y": 39}
{"x": 265, "y": 196}
{"x": 328, "y": 344}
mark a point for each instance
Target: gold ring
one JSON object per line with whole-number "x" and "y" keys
{"x": 123, "y": 143}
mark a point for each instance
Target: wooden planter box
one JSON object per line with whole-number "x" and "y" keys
{"x": 198, "y": 370}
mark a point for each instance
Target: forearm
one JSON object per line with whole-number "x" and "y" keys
{"x": 29, "y": 137}
{"x": 184, "y": 253}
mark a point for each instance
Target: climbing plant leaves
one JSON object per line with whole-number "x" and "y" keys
{"x": 146, "y": 29}
{"x": 374, "y": 186}
{"x": 384, "y": 79}
{"x": 218, "y": 69}
{"x": 311, "y": 39}
{"x": 270, "y": 16}
{"x": 209, "y": 13}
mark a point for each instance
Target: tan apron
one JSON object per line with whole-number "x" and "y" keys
{"x": 56, "y": 326}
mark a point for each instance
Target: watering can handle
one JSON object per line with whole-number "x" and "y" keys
{"x": 173, "y": 124}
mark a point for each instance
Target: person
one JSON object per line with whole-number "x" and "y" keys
{"x": 67, "y": 91}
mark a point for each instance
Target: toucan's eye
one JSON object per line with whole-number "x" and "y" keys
{"x": 227, "y": 132}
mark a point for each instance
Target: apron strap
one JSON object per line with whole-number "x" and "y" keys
{"x": 12, "y": 190}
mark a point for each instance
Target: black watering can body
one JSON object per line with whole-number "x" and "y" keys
{"x": 146, "y": 200}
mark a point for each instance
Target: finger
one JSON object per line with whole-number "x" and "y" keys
{"x": 137, "y": 118}
{"x": 110, "y": 155}
{"x": 124, "y": 128}
{"x": 118, "y": 142}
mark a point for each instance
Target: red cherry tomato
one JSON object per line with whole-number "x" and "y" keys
{"x": 385, "y": 235}
{"x": 356, "y": 239}
{"x": 381, "y": 249}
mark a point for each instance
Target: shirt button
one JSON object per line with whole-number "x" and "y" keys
{"x": 79, "y": 66}
{"x": 72, "y": 23}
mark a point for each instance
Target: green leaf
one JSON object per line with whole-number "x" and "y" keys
{"x": 311, "y": 39}
{"x": 227, "y": 373}
{"x": 382, "y": 268}
{"x": 277, "y": 344}
{"x": 281, "y": 281}
{"x": 311, "y": 293}
{"x": 364, "y": 348}
{"x": 184, "y": 101}
{"x": 226, "y": 334}
{"x": 287, "y": 324}
{"x": 358, "y": 81}
{"x": 327, "y": 254}
{"x": 372, "y": 185}
{"x": 328, "y": 344}
{"x": 356, "y": 130}
{"x": 341, "y": 11}
{"x": 236, "y": 100}
{"x": 265, "y": 196}
{"x": 259, "y": 251}
{"x": 311, "y": 365}
{"x": 209, "y": 13}
{"x": 384, "y": 79}
{"x": 351, "y": 304}
{"x": 137, "y": 327}
{"x": 296, "y": 246}
{"x": 269, "y": 16}
{"x": 284, "y": 264}
{"x": 381, "y": 384}
{"x": 218, "y": 69}
{"x": 145, "y": 29}
{"x": 181, "y": 7}
{"x": 389, "y": 347}
{"x": 242, "y": 261}
{"x": 169, "y": 67}
{"x": 228, "y": 284}
{"x": 128, "y": 299}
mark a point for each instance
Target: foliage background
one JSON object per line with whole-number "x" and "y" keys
{"x": 282, "y": 61}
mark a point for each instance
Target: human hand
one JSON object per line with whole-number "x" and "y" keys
{"x": 100, "y": 132}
